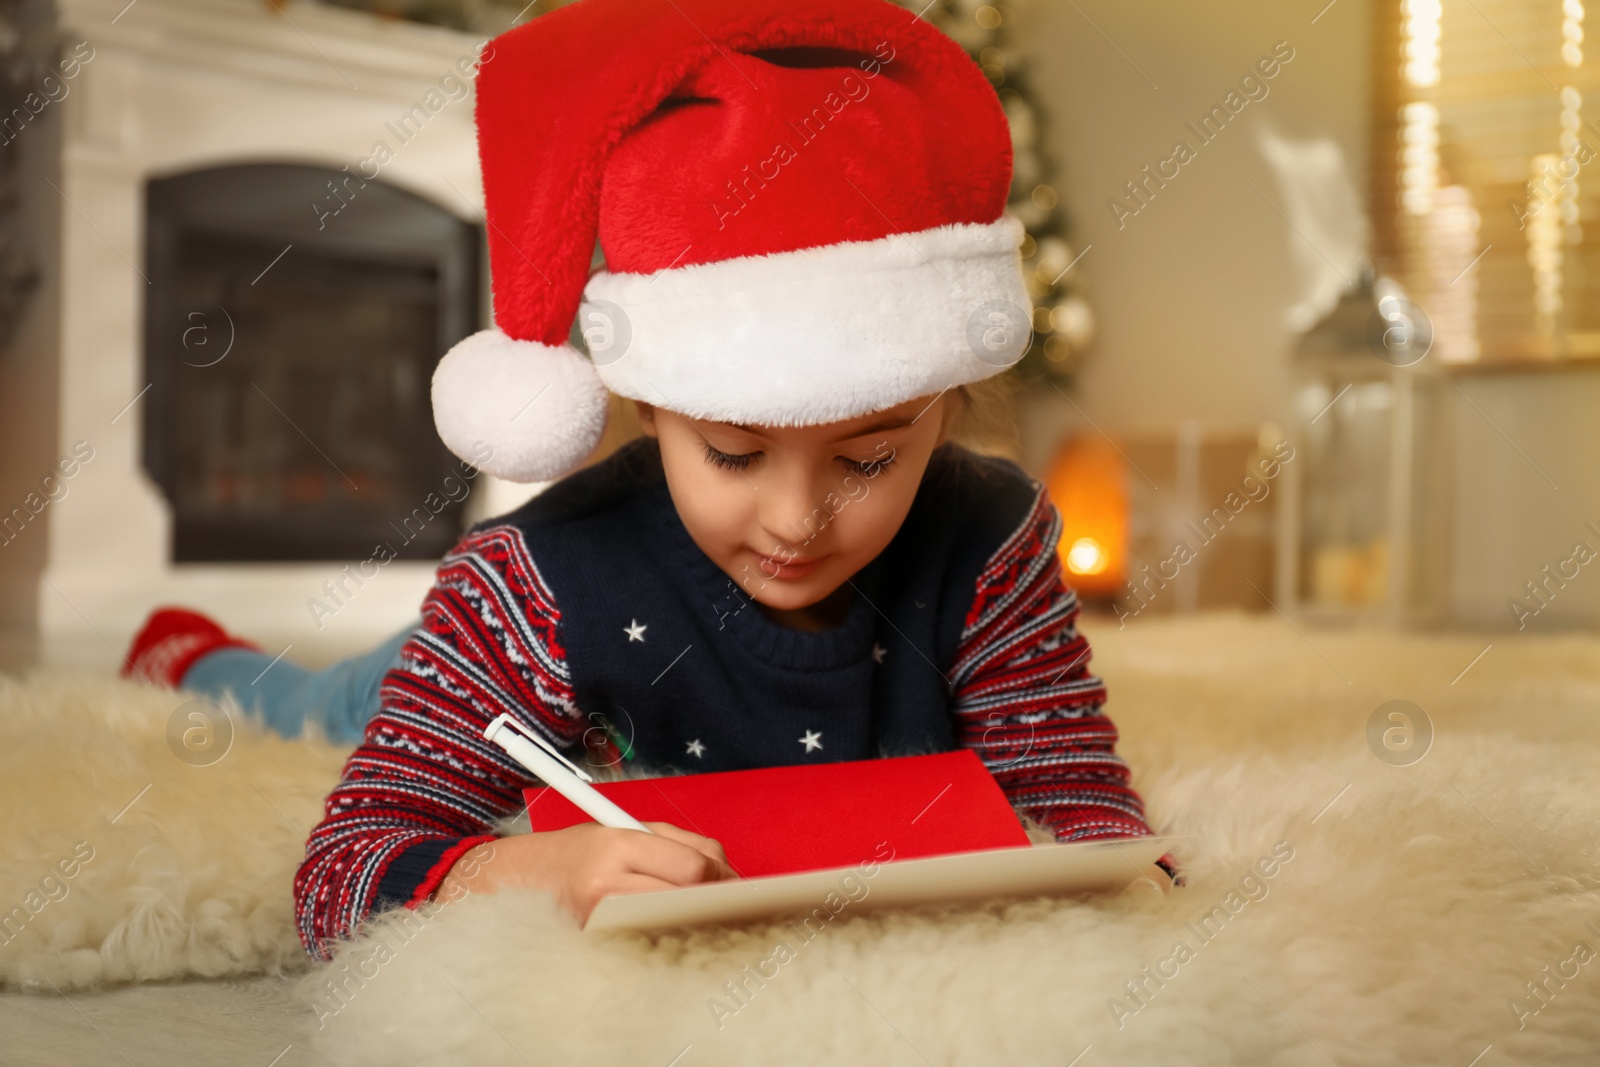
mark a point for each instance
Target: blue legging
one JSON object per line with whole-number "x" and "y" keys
{"x": 285, "y": 696}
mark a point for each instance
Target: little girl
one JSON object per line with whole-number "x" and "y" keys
{"x": 807, "y": 263}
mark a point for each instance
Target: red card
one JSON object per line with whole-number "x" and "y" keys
{"x": 782, "y": 820}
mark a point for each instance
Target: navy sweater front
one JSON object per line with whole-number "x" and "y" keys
{"x": 671, "y": 651}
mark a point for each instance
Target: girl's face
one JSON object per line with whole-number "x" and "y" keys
{"x": 791, "y": 513}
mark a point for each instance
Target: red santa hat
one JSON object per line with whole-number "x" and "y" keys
{"x": 800, "y": 205}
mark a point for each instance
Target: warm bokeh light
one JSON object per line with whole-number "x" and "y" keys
{"x": 1491, "y": 174}
{"x": 1087, "y": 482}
{"x": 1086, "y": 557}
{"x": 1572, "y": 33}
{"x": 1419, "y": 156}
{"x": 1421, "y": 41}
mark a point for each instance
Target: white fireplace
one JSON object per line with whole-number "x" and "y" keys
{"x": 174, "y": 86}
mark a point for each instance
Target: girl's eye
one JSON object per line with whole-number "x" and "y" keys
{"x": 870, "y": 468}
{"x": 729, "y": 462}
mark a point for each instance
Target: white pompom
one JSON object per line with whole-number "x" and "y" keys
{"x": 520, "y": 410}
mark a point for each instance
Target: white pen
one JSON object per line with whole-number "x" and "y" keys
{"x": 558, "y": 772}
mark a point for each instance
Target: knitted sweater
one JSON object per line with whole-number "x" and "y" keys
{"x": 591, "y": 616}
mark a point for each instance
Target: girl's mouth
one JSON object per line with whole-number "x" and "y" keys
{"x": 789, "y": 568}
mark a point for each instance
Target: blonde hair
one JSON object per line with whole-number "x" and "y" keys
{"x": 984, "y": 420}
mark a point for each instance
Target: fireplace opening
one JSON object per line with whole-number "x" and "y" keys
{"x": 293, "y": 320}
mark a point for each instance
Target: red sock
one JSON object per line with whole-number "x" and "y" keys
{"x": 170, "y": 642}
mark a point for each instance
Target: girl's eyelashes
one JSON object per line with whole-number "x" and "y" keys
{"x": 869, "y": 468}
{"x": 727, "y": 461}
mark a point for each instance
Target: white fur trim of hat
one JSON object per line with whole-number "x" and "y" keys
{"x": 815, "y": 335}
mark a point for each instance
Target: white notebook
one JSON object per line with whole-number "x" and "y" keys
{"x": 1037, "y": 870}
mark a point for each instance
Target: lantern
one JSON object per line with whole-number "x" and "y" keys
{"x": 1367, "y": 534}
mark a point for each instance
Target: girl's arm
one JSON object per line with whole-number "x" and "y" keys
{"x": 425, "y": 788}
{"x": 424, "y": 791}
{"x": 1025, "y": 701}
{"x": 415, "y": 809}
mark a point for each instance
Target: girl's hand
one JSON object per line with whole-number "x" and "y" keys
{"x": 583, "y": 863}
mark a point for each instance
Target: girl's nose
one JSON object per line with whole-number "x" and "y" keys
{"x": 792, "y": 501}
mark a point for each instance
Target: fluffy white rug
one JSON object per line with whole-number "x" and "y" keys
{"x": 131, "y": 857}
{"x": 1442, "y": 911}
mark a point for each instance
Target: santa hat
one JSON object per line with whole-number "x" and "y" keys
{"x": 800, "y": 205}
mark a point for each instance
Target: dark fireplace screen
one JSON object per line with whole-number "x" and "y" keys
{"x": 289, "y": 348}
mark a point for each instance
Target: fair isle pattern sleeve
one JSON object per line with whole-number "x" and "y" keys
{"x": 424, "y": 786}
{"x": 1025, "y": 701}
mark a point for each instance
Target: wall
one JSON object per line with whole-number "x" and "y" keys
{"x": 1192, "y": 291}
{"x": 1525, "y": 481}
{"x": 28, "y": 394}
